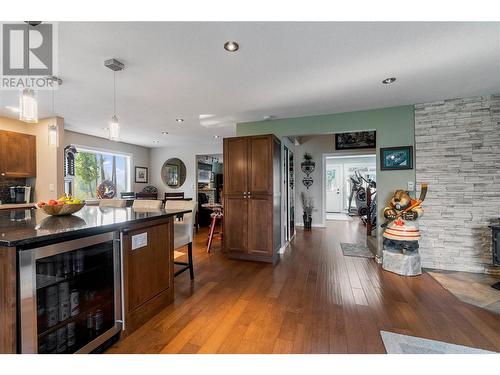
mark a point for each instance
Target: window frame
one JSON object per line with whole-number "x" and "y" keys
{"x": 97, "y": 150}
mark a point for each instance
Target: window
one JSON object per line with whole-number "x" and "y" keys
{"x": 93, "y": 167}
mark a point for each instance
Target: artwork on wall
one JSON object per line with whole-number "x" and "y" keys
{"x": 141, "y": 175}
{"x": 355, "y": 140}
{"x": 308, "y": 166}
{"x": 173, "y": 173}
{"x": 396, "y": 158}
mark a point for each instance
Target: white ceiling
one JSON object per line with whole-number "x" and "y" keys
{"x": 283, "y": 69}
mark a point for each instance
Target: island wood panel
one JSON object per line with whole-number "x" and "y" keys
{"x": 147, "y": 272}
{"x": 7, "y": 300}
{"x": 17, "y": 154}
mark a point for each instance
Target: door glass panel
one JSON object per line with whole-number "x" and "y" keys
{"x": 75, "y": 298}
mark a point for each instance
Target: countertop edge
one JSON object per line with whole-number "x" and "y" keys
{"x": 86, "y": 231}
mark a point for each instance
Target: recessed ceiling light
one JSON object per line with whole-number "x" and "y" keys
{"x": 156, "y": 141}
{"x": 389, "y": 80}
{"x": 164, "y": 133}
{"x": 231, "y": 46}
{"x": 216, "y": 136}
{"x": 179, "y": 120}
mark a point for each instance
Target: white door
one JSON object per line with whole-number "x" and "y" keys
{"x": 333, "y": 188}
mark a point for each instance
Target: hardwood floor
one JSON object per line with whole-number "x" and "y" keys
{"x": 314, "y": 301}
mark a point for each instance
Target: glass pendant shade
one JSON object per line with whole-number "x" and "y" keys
{"x": 28, "y": 106}
{"x": 53, "y": 136}
{"x": 114, "y": 129}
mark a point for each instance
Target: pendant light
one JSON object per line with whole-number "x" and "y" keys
{"x": 53, "y": 133}
{"x": 114, "y": 125}
{"x": 28, "y": 105}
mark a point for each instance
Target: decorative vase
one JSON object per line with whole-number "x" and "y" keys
{"x": 307, "y": 221}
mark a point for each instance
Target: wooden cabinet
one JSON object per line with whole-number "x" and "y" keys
{"x": 17, "y": 154}
{"x": 251, "y": 198}
{"x": 147, "y": 272}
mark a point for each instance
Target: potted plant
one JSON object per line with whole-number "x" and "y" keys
{"x": 307, "y": 207}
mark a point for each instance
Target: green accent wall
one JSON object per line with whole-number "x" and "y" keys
{"x": 395, "y": 126}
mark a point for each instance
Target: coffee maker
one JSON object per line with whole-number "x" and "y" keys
{"x": 20, "y": 194}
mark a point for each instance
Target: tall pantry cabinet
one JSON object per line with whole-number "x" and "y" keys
{"x": 252, "y": 199}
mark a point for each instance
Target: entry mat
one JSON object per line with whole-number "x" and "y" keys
{"x": 356, "y": 250}
{"x": 396, "y": 343}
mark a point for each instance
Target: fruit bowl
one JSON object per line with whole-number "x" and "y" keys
{"x": 62, "y": 209}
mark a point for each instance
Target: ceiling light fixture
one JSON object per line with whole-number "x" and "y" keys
{"x": 179, "y": 120}
{"x": 13, "y": 109}
{"x": 231, "y": 46}
{"x": 156, "y": 141}
{"x": 28, "y": 104}
{"x": 53, "y": 129}
{"x": 216, "y": 136}
{"x": 389, "y": 80}
{"x": 164, "y": 133}
{"x": 114, "y": 125}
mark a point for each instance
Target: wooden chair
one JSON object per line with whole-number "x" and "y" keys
{"x": 146, "y": 196}
{"x": 183, "y": 234}
{"x": 147, "y": 204}
{"x": 118, "y": 203}
{"x": 174, "y": 196}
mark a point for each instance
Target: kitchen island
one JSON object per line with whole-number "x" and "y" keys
{"x": 72, "y": 283}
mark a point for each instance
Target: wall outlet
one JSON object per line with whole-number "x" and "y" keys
{"x": 411, "y": 186}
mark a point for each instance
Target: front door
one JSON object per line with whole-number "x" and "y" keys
{"x": 333, "y": 188}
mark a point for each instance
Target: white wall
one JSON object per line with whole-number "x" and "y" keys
{"x": 139, "y": 155}
{"x": 317, "y": 146}
{"x": 188, "y": 156}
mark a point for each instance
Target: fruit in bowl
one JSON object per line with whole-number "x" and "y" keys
{"x": 66, "y": 205}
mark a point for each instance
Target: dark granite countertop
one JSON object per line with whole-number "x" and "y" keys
{"x": 25, "y": 228}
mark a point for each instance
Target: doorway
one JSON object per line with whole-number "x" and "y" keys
{"x": 346, "y": 179}
{"x": 289, "y": 194}
{"x": 334, "y": 191}
{"x": 209, "y": 184}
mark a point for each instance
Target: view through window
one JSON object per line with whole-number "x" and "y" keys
{"x": 93, "y": 167}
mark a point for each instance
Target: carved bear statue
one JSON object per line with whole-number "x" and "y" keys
{"x": 402, "y": 231}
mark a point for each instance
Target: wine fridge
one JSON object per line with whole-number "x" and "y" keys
{"x": 70, "y": 295}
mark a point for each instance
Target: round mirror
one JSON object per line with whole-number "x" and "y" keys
{"x": 173, "y": 173}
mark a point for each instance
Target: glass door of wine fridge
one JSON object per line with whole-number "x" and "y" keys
{"x": 70, "y": 295}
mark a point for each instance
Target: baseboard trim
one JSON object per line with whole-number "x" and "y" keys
{"x": 313, "y": 225}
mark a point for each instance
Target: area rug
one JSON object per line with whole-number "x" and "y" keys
{"x": 356, "y": 250}
{"x": 338, "y": 216}
{"x": 396, "y": 343}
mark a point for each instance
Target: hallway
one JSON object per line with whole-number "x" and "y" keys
{"x": 315, "y": 300}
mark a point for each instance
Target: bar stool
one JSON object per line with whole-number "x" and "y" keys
{"x": 183, "y": 234}
{"x": 216, "y": 216}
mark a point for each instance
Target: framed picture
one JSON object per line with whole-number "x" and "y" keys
{"x": 396, "y": 158}
{"x": 355, "y": 140}
{"x": 141, "y": 175}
